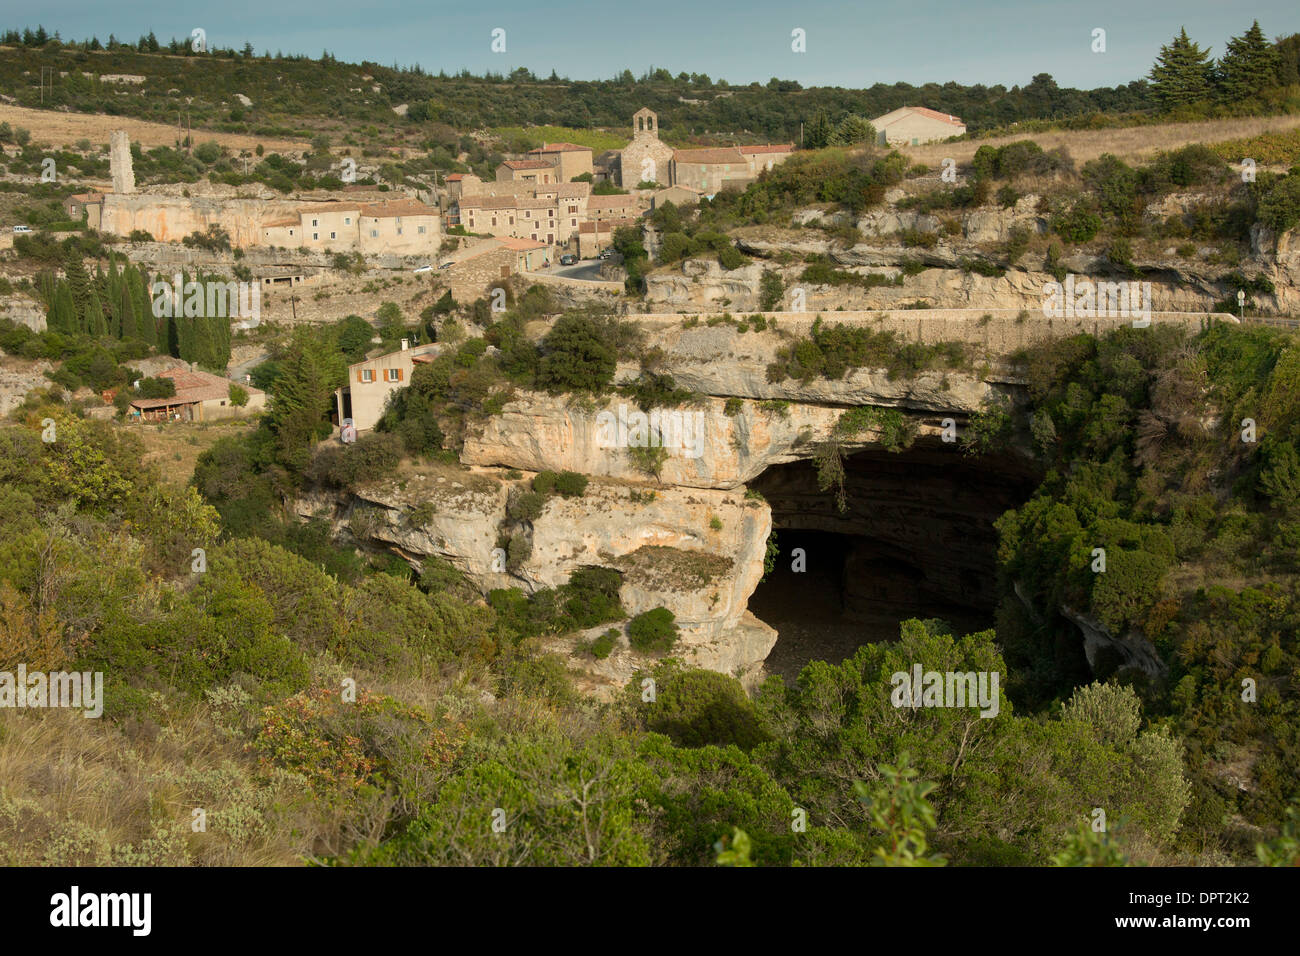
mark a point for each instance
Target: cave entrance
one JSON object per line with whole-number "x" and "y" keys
{"x": 916, "y": 539}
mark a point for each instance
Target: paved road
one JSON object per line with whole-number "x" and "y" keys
{"x": 587, "y": 270}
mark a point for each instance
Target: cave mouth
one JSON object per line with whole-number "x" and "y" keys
{"x": 916, "y": 539}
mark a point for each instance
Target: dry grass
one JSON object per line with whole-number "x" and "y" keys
{"x": 1128, "y": 144}
{"x": 78, "y": 791}
{"x": 52, "y": 128}
{"x": 175, "y": 448}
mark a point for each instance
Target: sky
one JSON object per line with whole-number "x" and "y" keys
{"x": 848, "y": 44}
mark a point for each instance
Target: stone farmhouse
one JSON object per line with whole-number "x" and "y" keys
{"x": 401, "y": 226}
{"x": 915, "y": 126}
{"x": 200, "y": 397}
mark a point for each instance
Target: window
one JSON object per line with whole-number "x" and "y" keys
{"x": 392, "y": 375}
{"x": 494, "y": 220}
{"x": 512, "y": 220}
{"x": 347, "y": 220}
{"x": 374, "y": 233}
{"x": 291, "y": 232}
{"x": 366, "y": 375}
{"x": 315, "y": 235}
{"x": 399, "y": 230}
{"x": 914, "y": 142}
{"x": 573, "y": 222}
{"x": 315, "y": 222}
{"x": 421, "y": 229}
{"x": 573, "y": 209}
{"x": 332, "y": 236}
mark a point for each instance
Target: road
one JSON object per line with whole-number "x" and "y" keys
{"x": 587, "y": 270}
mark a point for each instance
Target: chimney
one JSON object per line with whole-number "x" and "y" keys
{"x": 406, "y": 344}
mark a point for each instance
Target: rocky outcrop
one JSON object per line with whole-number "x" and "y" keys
{"x": 697, "y": 552}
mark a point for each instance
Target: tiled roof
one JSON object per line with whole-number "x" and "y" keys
{"x": 286, "y": 221}
{"x": 527, "y": 164}
{"x": 330, "y": 207}
{"x": 724, "y": 155}
{"x": 195, "y": 386}
{"x": 561, "y": 148}
{"x": 923, "y": 111}
{"x": 397, "y": 207}
{"x": 488, "y": 202}
{"x": 609, "y": 225}
{"x": 535, "y": 203}
{"x": 770, "y": 148}
{"x": 611, "y": 202}
{"x": 455, "y": 177}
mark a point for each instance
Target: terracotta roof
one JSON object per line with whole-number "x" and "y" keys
{"x": 535, "y": 203}
{"x": 397, "y": 207}
{"x": 195, "y": 386}
{"x": 287, "y": 221}
{"x": 455, "y": 177}
{"x": 709, "y": 156}
{"x": 611, "y": 202}
{"x": 779, "y": 148}
{"x": 928, "y": 113}
{"x": 527, "y": 164}
{"x": 561, "y": 148}
{"x": 330, "y": 207}
{"x": 88, "y": 197}
{"x": 488, "y": 202}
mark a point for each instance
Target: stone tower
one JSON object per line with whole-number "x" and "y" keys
{"x": 646, "y": 157}
{"x": 119, "y": 162}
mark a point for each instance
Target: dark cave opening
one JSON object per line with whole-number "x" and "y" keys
{"x": 916, "y": 539}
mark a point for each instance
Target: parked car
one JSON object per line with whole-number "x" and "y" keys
{"x": 425, "y": 268}
{"x": 568, "y": 259}
{"x": 446, "y": 265}
{"x": 22, "y": 228}
{"x": 606, "y": 254}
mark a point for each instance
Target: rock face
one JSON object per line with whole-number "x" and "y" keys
{"x": 697, "y": 552}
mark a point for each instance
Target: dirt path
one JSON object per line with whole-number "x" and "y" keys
{"x": 53, "y": 128}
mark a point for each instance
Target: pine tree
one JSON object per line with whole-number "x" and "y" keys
{"x": 63, "y": 312}
{"x": 94, "y": 323}
{"x": 79, "y": 280}
{"x": 1250, "y": 64}
{"x": 1183, "y": 73}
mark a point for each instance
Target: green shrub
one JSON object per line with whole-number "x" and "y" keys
{"x": 699, "y": 708}
{"x": 602, "y": 646}
{"x": 653, "y": 631}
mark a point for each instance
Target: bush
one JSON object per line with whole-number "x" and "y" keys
{"x": 602, "y": 646}
{"x": 570, "y": 484}
{"x": 653, "y": 631}
{"x": 238, "y": 395}
{"x": 699, "y": 708}
{"x": 345, "y": 466}
{"x": 526, "y": 506}
{"x": 577, "y": 356}
{"x": 1077, "y": 224}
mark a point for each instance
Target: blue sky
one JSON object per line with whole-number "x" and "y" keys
{"x": 852, "y": 44}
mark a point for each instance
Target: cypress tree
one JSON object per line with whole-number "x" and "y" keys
{"x": 1183, "y": 73}
{"x": 1250, "y": 64}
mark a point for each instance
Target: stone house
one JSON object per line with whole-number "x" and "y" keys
{"x": 547, "y": 213}
{"x": 200, "y": 397}
{"x": 570, "y": 159}
{"x": 79, "y": 204}
{"x": 371, "y": 381}
{"x": 528, "y": 171}
{"x": 677, "y": 195}
{"x": 604, "y": 208}
{"x": 400, "y": 226}
{"x": 474, "y": 270}
{"x": 915, "y": 126}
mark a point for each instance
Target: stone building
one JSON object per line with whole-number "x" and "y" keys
{"x": 399, "y": 226}
{"x": 528, "y": 171}
{"x": 200, "y": 397}
{"x": 371, "y": 381}
{"x": 548, "y": 213}
{"x": 915, "y": 126}
{"x": 570, "y": 159}
{"x": 646, "y": 158}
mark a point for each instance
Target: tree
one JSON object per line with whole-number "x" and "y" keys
{"x": 1183, "y": 73}
{"x": 1250, "y": 64}
{"x": 818, "y": 132}
{"x": 576, "y": 357}
{"x": 301, "y": 398}
{"x": 851, "y": 131}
